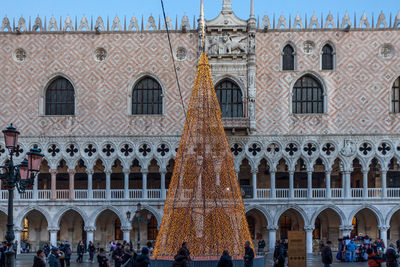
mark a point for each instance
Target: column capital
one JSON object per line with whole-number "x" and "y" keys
{"x": 126, "y": 171}
{"x": 71, "y": 171}
{"x": 365, "y": 170}
{"x": 291, "y": 172}
{"x": 272, "y": 227}
{"x": 53, "y": 229}
{"x": 53, "y": 171}
{"x": 108, "y": 172}
{"x": 89, "y": 228}
{"x": 309, "y": 228}
{"x": 89, "y": 171}
{"x": 384, "y": 227}
{"x": 18, "y": 229}
{"x": 254, "y": 171}
{"x": 346, "y": 227}
{"x": 145, "y": 170}
{"x": 126, "y": 228}
{"x": 328, "y": 170}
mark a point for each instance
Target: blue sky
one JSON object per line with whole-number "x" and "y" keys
{"x": 191, "y": 7}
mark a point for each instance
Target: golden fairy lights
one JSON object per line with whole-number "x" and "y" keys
{"x": 204, "y": 206}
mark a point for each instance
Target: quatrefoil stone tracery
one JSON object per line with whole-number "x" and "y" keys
{"x": 71, "y": 150}
{"x": 53, "y": 150}
{"x": 365, "y": 148}
{"x": 236, "y": 149}
{"x": 291, "y": 149}
{"x": 90, "y": 150}
{"x": 108, "y": 150}
{"x": 310, "y": 148}
{"x": 145, "y": 150}
{"x": 163, "y": 150}
{"x": 384, "y": 148}
{"x": 126, "y": 150}
{"x": 254, "y": 149}
{"x": 328, "y": 149}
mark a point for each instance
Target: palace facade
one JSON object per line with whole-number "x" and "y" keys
{"x": 310, "y": 107}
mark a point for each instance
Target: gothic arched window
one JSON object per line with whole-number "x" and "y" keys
{"x": 230, "y": 99}
{"x": 60, "y": 97}
{"x": 147, "y": 97}
{"x": 288, "y": 58}
{"x": 328, "y": 57}
{"x": 308, "y": 96}
{"x": 396, "y": 96}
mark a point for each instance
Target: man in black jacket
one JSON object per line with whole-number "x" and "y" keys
{"x": 326, "y": 254}
{"x": 279, "y": 255}
{"x": 248, "y": 255}
{"x": 117, "y": 255}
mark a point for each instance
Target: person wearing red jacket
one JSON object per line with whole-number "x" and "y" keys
{"x": 373, "y": 260}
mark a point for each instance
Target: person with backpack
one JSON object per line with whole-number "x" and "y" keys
{"x": 225, "y": 260}
{"x": 67, "y": 254}
{"x": 391, "y": 256}
{"x": 373, "y": 260}
{"x": 326, "y": 254}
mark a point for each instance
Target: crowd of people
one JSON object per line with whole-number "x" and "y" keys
{"x": 123, "y": 255}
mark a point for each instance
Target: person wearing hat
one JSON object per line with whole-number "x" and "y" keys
{"x": 53, "y": 258}
{"x": 143, "y": 259}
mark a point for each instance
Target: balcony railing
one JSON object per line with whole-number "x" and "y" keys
{"x": 247, "y": 193}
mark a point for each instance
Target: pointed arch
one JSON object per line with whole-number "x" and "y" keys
{"x": 328, "y": 56}
{"x": 334, "y": 208}
{"x": 146, "y": 85}
{"x": 57, "y": 96}
{"x": 263, "y": 210}
{"x": 376, "y": 211}
{"x": 230, "y": 98}
{"x": 289, "y": 56}
{"x": 308, "y": 94}
{"x": 395, "y": 95}
{"x": 293, "y": 207}
{"x": 24, "y": 212}
{"x": 57, "y": 218}
{"x": 97, "y": 212}
{"x": 155, "y": 212}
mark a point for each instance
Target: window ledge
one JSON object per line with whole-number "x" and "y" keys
{"x": 58, "y": 116}
{"x": 308, "y": 114}
{"x": 240, "y": 122}
{"x": 146, "y": 115}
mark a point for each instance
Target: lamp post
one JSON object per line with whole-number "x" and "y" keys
{"x": 18, "y": 176}
{"x": 139, "y": 219}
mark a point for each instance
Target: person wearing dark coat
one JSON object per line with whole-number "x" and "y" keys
{"x": 53, "y": 257}
{"x": 391, "y": 256}
{"x": 92, "y": 250}
{"x": 39, "y": 259}
{"x": 102, "y": 258}
{"x": 143, "y": 259}
{"x": 129, "y": 257}
{"x": 80, "y": 250}
{"x": 326, "y": 254}
{"x": 180, "y": 260}
{"x": 117, "y": 255}
{"x": 225, "y": 260}
{"x": 248, "y": 255}
{"x": 3, "y": 249}
{"x": 279, "y": 255}
{"x": 398, "y": 245}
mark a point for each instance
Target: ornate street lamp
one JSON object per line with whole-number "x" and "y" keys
{"x": 18, "y": 176}
{"x": 139, "y": 219}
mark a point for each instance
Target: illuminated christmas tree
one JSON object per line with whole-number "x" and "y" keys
{"x": 204, "y": 206}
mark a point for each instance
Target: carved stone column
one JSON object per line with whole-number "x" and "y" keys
{"x": 53, "y": 236}
{"x": 291, "y": 184}
{"x": 126, "y": 183}
{"x": 384, "y": 189}
{"x": 108, "y": 184}
{"x": 89, "y": 234}
{"x": 272, "y": 236}
{"x": 309, "y": 231}
{"x": 383, "y": 231}
{"x": 71, "y": 173}
{"x": 144, "y": 183}
{"x": 309, "y": 183}
{"x": 254, "y": 183}
{"x": 126, "y": 230}
{"x": 53, "y": 174}
{"x": 365, "y": 183}
{"x": 273, "y": 184}
{"x": 328, "y": 183}
{"x": 90, "y": 183}
{"x": 346, "y": 230}
{"x": 163, "y": 190}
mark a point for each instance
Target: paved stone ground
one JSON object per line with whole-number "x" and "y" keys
{"x": 26, "y": 260}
